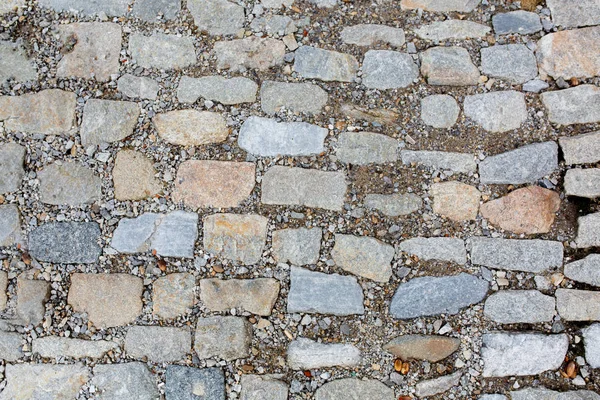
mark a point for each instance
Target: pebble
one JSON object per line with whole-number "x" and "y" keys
{"x": 497, "y": 111}
{"x": 217, "y": 17}
{"x": 228, "y": 91}
{"x": 326, "y": 65}
{"x": 297, "y": 246}
{"x": 295, "y": 97}
{"x": 385, "y": 69}
{"x": 90, "y": 8}
{"x": 66, "y": 242}
{"x": 431, "y": 348}
{"x": 520, "y": 21}
{"x": 183, "y": 383}
{"x": 520, "y": 307}
{"x": 303, "y": 354}
{"x": 191, "y": 127}
{"x": 439, "y": 385}
{"x": 458, "y": 162}
{"x": 340, "y": 389}
{"x": 439, "y": 111}
{"x": 586, "y": 270}
{"x": 362, "y": 148}
{"x": 580, "y": 149}
{"x": 261, "y": 387}
{"x": 456, "y": 201}
{"x": 452, "y": 29}
{"x": 578, "y": 305}
{"x": 69, "y": 183}
{"x": 363, "y": 256}
{"x": 591, "y": 340}
{"x": 138, "y": 87}
{"x": 44, "y": 381}
{"x": 57, "y": 347}
{"x": 162, "y": 51}
{"x": 436, "y": 248}
{"x": 158, "y": 343}
{"x": 128, "y": 380}
{"x": 210, "y": 332}
{"x": 249, "y": 53}
{"x": 10, "y": 225}
{"x": 512, "y": 62}
{"x": 150, "y": 10}
{"x": 108, "y": 121}
{"x": 173, "y": 295}
{"x": 571, "y": 15}
{"x": 257, "y": 296}
{"x": 370, "y": 34}
{"x": 451, "y": 66}
{"x": 14, "y": 63}
{"x": 588, "y": 233}
{"x": 134, "y": 176}
{"x": 583, "y": 183}
{"x": 394, "y": 205}
{"x": 571, "y": 106}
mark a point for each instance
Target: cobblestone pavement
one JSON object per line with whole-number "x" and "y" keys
{"x": 312, "y": 199}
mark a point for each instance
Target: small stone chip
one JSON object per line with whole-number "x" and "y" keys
{"x": 256, "y": 296}
{"x": 228, "y": 338}
{"x": 107, "y": 121}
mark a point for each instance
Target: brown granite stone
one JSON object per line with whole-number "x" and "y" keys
{"x": 422, "y": 347}
{"x": 133, "y": 176}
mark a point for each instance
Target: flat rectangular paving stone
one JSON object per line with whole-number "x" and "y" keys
{"x": 12, "y": 159}
{"x": 149, "y": 10}
{"x": 66, "y": 242}
{"x": 339, "y": 389}
{"x": 500, "y": 111}
{"x": 571, "y": 14}
{"x": 326, "y": 65}
{"x": 431, "y": 387}
{"x": 458, "y": 162}
{"x": 58, "y": 346}
{"x": 304, "y": 187}
{"x": 578, "y": 305}
{"x": 436, "y": 248}
{"x": 138, "y": 87}
{"x": 223, "y": 90}
{"x": 581, "y": 149}
{"x": 386, "y": 69}
{"x": 304, "y": 354}
{"x": 158, "y": 343}
{"x": 370, "y": 34}
{"x": 583, "y": 182}
{"x": 394, "y": 205}
{"x": 586, "y": 270}
{"x": 228, "y": 338}
{"x": 362, "y": 148}
{"x": 88, "y": 7}
{"x": 217, "y": 17}
{"x": 591, "y": 340}
{"x": 11, "y": 346}
{"x": 162, "y": 51}
{"x": 520, "y": 307}
{"x": 440, "y": 5}
{"x": 44, "y": 381}
{"x": 173, "y": 295}
{"x": 297, "y": 246}
{"x": 256, "y": 296}
{"x": 512, "y": 62}
{"x": 250, "y": 53}
{"x": 14, "y": 63}
{"x": 452, "y": 29}
{"x": 451, "y": 66}
{"x": 189, "y": 383}
{"x": 319, "y": 293}
{"x": 577, "y": 105}
{"x": 533, "y": 255}
{"x": 546, "y": 394}
{"x": 588, "y": 231}
{"x": 107, "y": 121}
{"x": 296, "y": 97}
{"x": 520, "y": 21}
{"x": 32, "y": 295}
{"x": 363, "y": 256}
{"x": 69, "y": 183}
{"x": 256, "y": 387}
{"x": 128, "y": 380}
{"x": 191, "y": 127}
{"x": 10, "y": 225}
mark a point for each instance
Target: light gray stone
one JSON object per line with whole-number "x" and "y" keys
{"x": 173, "y": 295}
{"x": 324, "y": 3}
{"x": 295, "y": 97}
{"x": 573, "y": 106}
{"x": 257, "y": 296}
{"x": 439, "y": 111}
{"x": 276, "y": 3}
{"x": 3, "y": 287}
{"x": 217, "y": 17}
{"x": 386, "y": 69}
{"x": 516, "y": 255}
{"x": 11, "y": 348}
{"x": 583, "y": 182}
{"x": 580, "y": 149}
{"x": 493, "y": 397}
{"x": 520, "y": 21}
{"x": 439, "y": 385}
{"x": 66, "y": 242}
{"x": 526, "y": 164}
{"x": 88, "y": 7}
{"x": 297, "y": 246}
{"x": 162, "y": 51}
{"x": 189, "y": 383}
{"x": 371, "y": 34}
{"x": 521, "y": 354}
{"x": 191, "y": 127}
{"x": 319, "y": 293}
{"x": 591, "y": 340}
{"x": 326, "y": 65}
{"x": 497, "y": 111}
{"x": 131, "y": 380}
{"x": 10, "y": 225}
{"x": 512, "y": 62}
{"x": 149, "y": 10}
{"x": 520, "y": 306}
{"x": 545, "y": 394}
{"x": 452, "y": 29}
{"x": 274, "y": 25}
{"x": 249, "y": 53}
{"x": 573, "y": 14}
{"x": 44, "y": 381}
{"x": 262, "y": 387}
{"x": 14, "y": 63}
{"x": 342, "y": 389}
{"x": 586, "y": 270}
{"x": 303, "y": 354}
{"x": 578, "y": 305}
{"x": 362, "y": 148}
{"x": 304, "y": 187}
{"x": 158, "y": 343}
{"x": 535, "y": 86}
{"x": 138, "y": 87}
{"x": 11, "y": 6}
{"x": 57, "y": 347}
{"x": 107, "y": 121}
{"x": 440, "y": 5}
{"x": 458, "y": 162}
{"x": 450, "y": 66}
{"x": 31, "y": 300}
{"x": 394, "y": 205}
{"x": 227, "y": 91}
{"x": 436, "y": 248}
{"x": 228, "y": 338}
{"x": 427, "y": 296}
{"x": 69, "y": 183}
{"x": 588, "y": 232}
{"x": 363, "y": 256}
{"x": 12, "y": 158}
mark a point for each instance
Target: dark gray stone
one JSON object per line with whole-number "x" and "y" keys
{"x": 520, "y": 21}
{"x": 188, "y": 383}
{"x": 66, "y": 242}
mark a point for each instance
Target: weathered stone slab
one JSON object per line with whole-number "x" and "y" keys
{"x": 173, "y": 295}
{"x": 573, "y": 14}
{"x": 439, "y": 111}
{"x": 580, "y": 149}
{"x": 297, "y": 246}
{"x": 66, "y": 242}
{"x": 162, "y": 51}
{"x": 394, "y": 205}
{"x": 497, "y": 111}
{"x": 108, "y": 121}
{"x": 14, "y": 63}
{"x": 191, "y": 127}
{"x": 303, "y": 354}
{"x": 458, "y": 162}
{"x": 3, "y": 287}
{"x": 158, "y": 343}
{"x": 440, "y": 5}
{"x": 207, "y": 183}
{"x": 363, "y": 256}
{"x": 437, "y": 295}
{"x": 523, "y": 165}
{"x": 385, "y": 69}
{"x": 436, "y": 248}
{"x": 304, "y": 187}
{"x": 11, "y": 347}
{"x": 149, "y": 10}
{"x": 44, "y": 381}
{"x": 261, "y": 387}
{"x": 131, "y": 380}
{"x": 296, "y": 97}
{"x": 257, "y": 296}
{"x": 583, "y": 182}
{"x": 239, "y": 237}
{"x": 183, "y": 383}
{"x": 591, "y": 340}
{"x": 573, "y": 106}
{"x": 512, "y": 62}
{"x": 10, "y": 225}
{"x": 455, "y": 200}
{"x": 340, "y": 389}
{"x": 57, "y": 347}
{"x": 250, "y": 53}
{"x": 217, "y": 17}
{"x": 12, "y": 159}
{"x": 69, "y": 183}
{"x": 516, "y": 255}
{"x": 535, "y": 86}
{"x": 223, "y": 337}
{"x": 90, "y": 50}
{"x": 520, "y": 21}
{"x": 439, "y": 385}
{"x": 377, "y": 115}
{"x": 49, "y": 112}
{"x": 586, "y": 270}
{"x": 362, "y": 148}
{"x": 326, "y": 65}
{"x": 88, "y": 7}
{"x": 134, "y": 176}
{"x": 370, "y": 34}
{"x": 450, "y": 66}
{"x": 31, "y": 300}
{"x": 578, "y": 305}
{"x": 138, "y": 87}
{"x": 545, "y": 394}
{"x": 422, "y": 347}
{"x": 521, "y": 354}
{"x": 520, "y": 306}
{"x": 227, "y": 91}
{"x": 108, "y": 299}
{"x": 319, "y": 293}
{"x": 588, "y": 233}
{"x": 452, "y": 29}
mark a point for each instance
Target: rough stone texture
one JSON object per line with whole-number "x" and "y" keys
{"x": 43, "y": 381}
{"x": 354, "y": 388}
{"x": 274, "y": 25}
{"x": 363, "y": 256}
{"x": 207, "y": 183}
{"x": 88, "y": 7}
{"x": 57, "y": 347}
{"x": 588, "y": 233}
{"x": 455, "y": 200}
{"x": 497, "y": 111}
{"x": 394, "y": 205}
{"x": 512, "y": 62}
{"x": 570, "y": 54}
{"x": 580, "y": 149}
{"x": 66, "y": 242}
{"x": 297, "y": 246}
{"x": 527, "y": 210}
{"x": 526, "y": 164}
{"x": 134, "y": 176}
{"x": 591, "y": 340}
{"x": 304, "y": 187}
{"x": 173, "y": 295}
{"x": 12, "y": 158}
{"x": 573, "y": 14}
{"x": 586, "y": 270}
{"x": 520, "y": 306}
{"x": 256, "y": 296}
{"x": 440, "y": 5}
{"x": 571, "y": 106}
{"x": 170, "y": 235}
{"x": 521, "y": 354}
{"x": 266, "y": 137}
{"x": 319, "y": 293}
{"x": 385, "y": 69}
{"x": 14, "y": 63}
{"x": 450, "y": 66}
{"x": 69, "y": 183}
{"x": 437, "y": 295}
{"x": 239, "y": 237}
{"x": 31, "y": 300}
{"x": 107, "y": 121}
{"x": 452, "y": 29}
{"x": 217, "y": 17}
{"x": 10, "y": 346}
{"x": 545, "y": 394}
{"x": 303, "y": 354}
{"x": 49, "y": 112}
{"x": 436, "y": 248}
{"x": 371, "y": 34}
{"x": 583, "y": 182}
{"x": 158, "y": 343}
{"x": 228, "y": 338}
{"x": 191, "y": 127}
{"x": 108, "y": 299}
{"x": 361, "y": 148}
{"x": 439, "y": 111}
{"x": 493, "y": 397}
{"x": 376, "y": 115}
{"x": 520, "y": 21}
{"x": 188, "y": 383}
{"x": 223, "y": 90}
{"x": 162, "y": 51}
{"x": 3, "y": 287}
{"x": 90, "y": 50}
{"x": 516, "y": 255}
{"x": 11, "y": 5}
{"x": 250, "y": 53}
{"x": 149, "y": 10}
{"x": 260, "y": 387}
{"x": 578, "y": 305}
{"x": 422, "y": 347}
{"x": 326, "y": 65}
{"x": 138, "y": 87}
{"x": 10, "y": 225}
{"x": 296, "y": 97}
{"x": 458, "y": 162}
{"x": 132, "y": 380}
{"x": 439, "y": 385}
